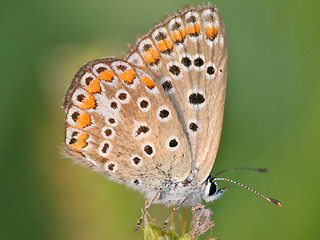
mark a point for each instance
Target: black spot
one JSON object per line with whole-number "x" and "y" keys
{"x": 146, "y": 47}
{"x": 108, "y": 132}
{"x": 80, "y": 97}
{"x": 136, "y": 160}
{"x": 175, "y": 26}
{"x": 175, "y": 70}
{"x": 136, "y": 182}
{"x": 122, "y": 96}
{"x": 142, "y": 129}
{"x": 196, "y": 98}
{"x": 198, "y": 62}
{"x": 220, "y": 70}
{"x": 173, "y": 143}
{"x": 114, "y": 105}
{"x": 75, "y": 133}
{"x": 88, "y": 80}
{"x": 73, "y": 140}
{"x": 122, "y": 67}
{"x": 193, "y": 126}
{"x": 75, "y": 116}
{"x": 186, "y": 61}
{"x": 210, "y": 70}
{"x": 111, "y": 166}
{"x": 192, "y": 19}
{"x": 105, "y": 147}
{"x": 167, "y": 85}
{"x": 111, "y": 120}
{"x": 148, "y": 149}
{"x": 196, "y": 34}
{"x": 164, "y": 113}
{"x": 144, "y": 104}
{"x": 161, "y": 36}
{"x": 101, "y": 69}
{"x": 180, "y": 41}
{"x": 168, "y": 51}
{"x": 156, "y": 62}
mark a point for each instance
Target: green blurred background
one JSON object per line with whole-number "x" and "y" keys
{"x": 272, "y": 118}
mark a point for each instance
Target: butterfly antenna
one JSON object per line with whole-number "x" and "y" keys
{"x": 275, "y": 201}
{"x": 262, "y": 170}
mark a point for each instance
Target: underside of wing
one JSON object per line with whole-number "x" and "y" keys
{"x": 120, "y": 122}
{"x": 187, "y": 54}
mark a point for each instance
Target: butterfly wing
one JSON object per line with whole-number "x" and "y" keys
{"x": 120, "y": 122}
{"x": 187, "y": 54}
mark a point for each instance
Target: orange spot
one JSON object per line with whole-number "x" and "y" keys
{"x": 178, "y": 35}
{"x": 148, "y": 82}
{"x": 81, "y": 141}
{"x": 194, "y": 28}
{"x": 128, "y": 76}
{"x": 83, "y": 120}
{"x": 88, "y": 102}
{"x": 211, "y": 32}
{"x": 164, "y": 44}
{"x": 94, "y": 86}
{"x": 106, "y": 75}
{"x": 151, "y": 55}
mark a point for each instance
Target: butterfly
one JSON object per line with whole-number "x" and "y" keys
{"x": 153, "y": 120}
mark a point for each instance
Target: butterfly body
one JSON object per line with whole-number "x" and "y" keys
{"x": 153, "y": 120}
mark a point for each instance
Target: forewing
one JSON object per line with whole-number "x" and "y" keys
{"x": 187, "y": 54}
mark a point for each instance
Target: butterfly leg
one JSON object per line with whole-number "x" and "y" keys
{"x": 172, "y": 213}
{"x": 146, "y": 207}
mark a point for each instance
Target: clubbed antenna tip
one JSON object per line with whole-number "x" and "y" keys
{"x": 263, "y": 170}
{"x": 275, "y": 201}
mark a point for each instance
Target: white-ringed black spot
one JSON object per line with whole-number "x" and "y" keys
{"x": 73, "y": 140}
{"x": 175, "y": 70}
{"x": 111, "y": 167}
{"x": 88, "y": 80}
{"x": 186, "y": 61}
{"x": 198, "y": 62}
{"x": 193, "y": 127}
{"x": 105, "y": 147}
{"x": 148, "y": 149}
{"x": 108, "y": 132}
{"x": 163, "y": 114}
{"x": 114, "y": 105}
{"x": 196, "y": 98}
{"x": 172, "y": 143}
{"x": 144, "y": 104}
{"x": 101, "y": 69}
{"x": 111, "y": 120}
{"x": 80, "y": 97}
{"x": 75, "y": 116}
{"x": 167, "y": 86}
{"x": 210, "y": 70}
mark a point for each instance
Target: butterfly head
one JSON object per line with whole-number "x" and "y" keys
{"x": 211, "y": 190}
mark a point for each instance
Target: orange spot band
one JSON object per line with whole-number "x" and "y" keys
{"x": 211, "y": 32}
{"x": 151, "y": 55}
{"x": 128, "y": 76}
{"x": 94, "y": 86}
{"x": 83, "y": 120}
{"x": 178, "y": 35}
{"x": 106, "y": 75}
{"x": 148, "y": 82}
{"x": 164, "y": 44}
{"x": 88, "y": 102}
{"x": 81, "y": 141}
{"x": 194, "y": 28}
